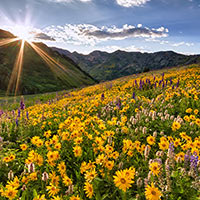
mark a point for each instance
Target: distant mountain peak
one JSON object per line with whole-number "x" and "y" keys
{"x": 107, "y": 66}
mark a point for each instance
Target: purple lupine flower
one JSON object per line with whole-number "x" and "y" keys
{"x": 193, "y": 162}
{"x": 22, "y": 105}
{"x": 163, "y": 85}
{"x": 155, "y": 85}
{"x": 172, "y": 87}
{"x": 18, "y": 113}
{"x": 17, "y": 122}
{"x": 102, "y": 96}
{"x": 163, "y": 75}
{"x": 160, "y": 82}
{"x": 166, "y": 82}
{"x": 177, "y": 84}
{"x": 136, "y": 84}
{"x": 133, "y": 96}
{"x": 170, "y": 81}
{"x": 154, "y": 78}
{"x": 27, "y": 115}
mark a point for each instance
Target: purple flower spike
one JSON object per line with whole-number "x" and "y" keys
{"x": 133, "y": 96}
{"x": 177, "y": 83}
{"x": 102, "y": 96}
{"x": 27, "y": 115}
{"x": 18, "y": 113}
{"x": 22, "y": 105}
{"x": 17, "y": 122}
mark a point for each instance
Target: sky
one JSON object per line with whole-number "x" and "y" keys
{"x": 106, "y": 25}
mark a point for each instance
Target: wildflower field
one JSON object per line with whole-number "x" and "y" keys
{"x": 136, "y": 137}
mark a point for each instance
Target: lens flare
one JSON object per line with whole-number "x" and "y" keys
{"x": 7, "y": 41}
{"x": 16, "y": 72}
{"x": 23, "y": 32}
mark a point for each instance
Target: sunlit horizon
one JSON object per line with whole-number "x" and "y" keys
{"x": 26, "y": 34}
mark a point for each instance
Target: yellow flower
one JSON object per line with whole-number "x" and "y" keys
{"x": 163, "y": 145}
{"x": 155, "y": 168}
{"x": 56, "y": 198}
{"x": 62, "y": 167}
{"x": 75, "y": 198}
{"x": 88, "y": 190}
{"x": 197, "y": 121}
{"x": 130, "y": 172}
{"x": 189, "y": 110}
{"x": 181, "y": 155}
{"x": 122, "y": 181}
{"x": 33, "y": 176}
{"x": 35, "y": 139}
{"x": 176, "y": 126}
{"x": 90, "y": 175}
{"x": 15, "y": 183}
{"x": 177, "y": 142}
{"x": 152, "y": 193}
{"x": 100, "y": 159}
{"x": 196, "y": 111}
{"x": 10, "y": 192}
{"x": 110, "y": 164}
{"x": 23, "y": 147}
{"x": 57, "y": 146}
{"x": 77, "y": 151}
{"x": 78, "y": 140}
{"x": 186, "y": 118}
{"x": 53, "y": 155}
{"x": 151, "y": 140}
{"x": 192, "y": 117}
{"x": 6, "y": 159}
{"x": 66, "y": 180}
{"x": 47, "y": 134}
{"x": 52, "y": 189}
{"x": 54, "y": 179}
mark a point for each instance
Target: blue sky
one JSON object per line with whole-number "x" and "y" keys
{"x": 107, "y": 25}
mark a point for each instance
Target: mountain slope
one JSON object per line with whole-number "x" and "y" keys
{"x": 108, "y": 66}
{"x": 37, "y": 76}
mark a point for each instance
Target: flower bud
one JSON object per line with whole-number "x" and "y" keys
{"x": 45, "y": 176}
{"x": 10, "y": 175}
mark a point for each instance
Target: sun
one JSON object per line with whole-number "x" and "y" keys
{"x": 23, "y": 32}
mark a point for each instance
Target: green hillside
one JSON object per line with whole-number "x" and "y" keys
{"x": 37, "y": 76}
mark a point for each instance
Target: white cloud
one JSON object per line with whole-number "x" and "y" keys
{"x": 113, "y": 48}
{"x": 182, "y": 43}
{"x": 90, "y": 35}
{"x": 131, "y": 3}
{"x": 173, "y": 44}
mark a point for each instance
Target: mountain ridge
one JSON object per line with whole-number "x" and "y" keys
{"x": 107, "y": 66}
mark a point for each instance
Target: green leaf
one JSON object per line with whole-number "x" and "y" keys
{"x": 24, "y": 195}
{"x": 34, "y": 193}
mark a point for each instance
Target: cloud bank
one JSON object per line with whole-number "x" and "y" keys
{"x": 90, "y": 35}
{"x": 131, "y": 3}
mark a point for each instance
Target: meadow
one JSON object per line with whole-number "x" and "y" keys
{"x": 133, "y": 138}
